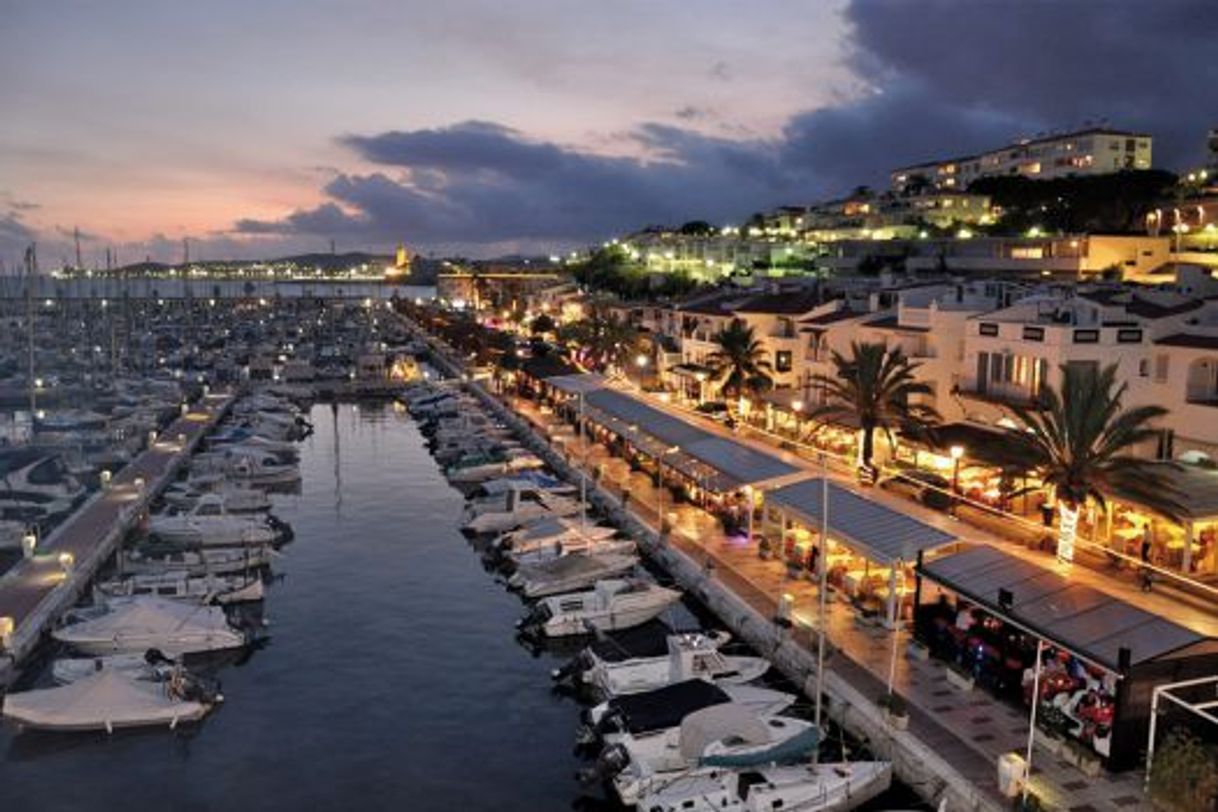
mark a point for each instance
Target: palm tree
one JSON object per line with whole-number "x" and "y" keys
{"x": 739, "y": 364}
{"x": 1079, "y": 442}
{"x": 875, "y": 385}
{"x": 602, "y": 339}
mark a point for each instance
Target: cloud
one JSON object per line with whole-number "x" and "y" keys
{"x": 15, "y": 236}
{"x": 481, "y": 183}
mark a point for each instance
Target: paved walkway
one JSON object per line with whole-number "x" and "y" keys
{"x": 970, "y": 729}
{"x": 30, "y": 581}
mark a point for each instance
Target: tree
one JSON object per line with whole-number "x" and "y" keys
{"x": 739, "y": 364}
{"x": 602, "y": 339}
{"x": 875, "y": 385}
{"x": 1184, "y": 774}
{"x": 698, "y": 228}
{"x": 542, "y": 324}
{"x": 1078, "y": 440}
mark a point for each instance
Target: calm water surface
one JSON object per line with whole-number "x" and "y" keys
{"x": 392, "y": 678}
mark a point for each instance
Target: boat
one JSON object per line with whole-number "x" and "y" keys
{"x": 569, "y": 573}
{"x": 516, "y": 461}
{"x": 152, "y": 666}
{"x": 664, "y": 708}
{"x": 573, "y": 545}
{"x": 830, "y": 787}
{"x": 219, "y": 589}
{"x": 36, "y": 486}
{"x": 149, "y": 560}
{"x": 127, "y": 625}
{"x": 257, "y": 468}
{"x": 516, "y": 509}
{"x": 548, "y": 532}
{"x": 728, "y": 732}
{"x": 645, "y": 640}
{"x": 234, "y": 497}
{"x": 610, "y": 605}
{"x": 689, "y": 656}
{"x": 524, "y": 479}
{"x": 110, "y": 700}
{"x": 208, "y": 523}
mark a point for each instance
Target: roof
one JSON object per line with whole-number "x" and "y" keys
{"x": 1026, "y": 142}
{"x": 829, "y": 318}
{"x": 986, "y": 445}
{"x": 1077, "y": 617}
{"x": 878, "y": 531}
{"x": 1190, "y": 340}
{"x": 719, "y": 463}
{"x": 892, "y": 323}
{"x": 547, "y": 366}
{"x": 1151, "y": 310}
{"x": 789, "y": 302}
{"x": 577, "y": 383}
{"x": 1196, "y": 490}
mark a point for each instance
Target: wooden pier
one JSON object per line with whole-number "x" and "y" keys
{"x": 37, "y": 590}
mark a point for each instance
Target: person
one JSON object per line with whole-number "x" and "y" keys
{"x": 1147, "y": 546}
{"x": 814, "y": 559}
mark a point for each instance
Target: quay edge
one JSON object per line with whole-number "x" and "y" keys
{"x": 915, "y": 762}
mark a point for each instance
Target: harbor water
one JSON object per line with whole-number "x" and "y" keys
{"x": 391, "y": 679}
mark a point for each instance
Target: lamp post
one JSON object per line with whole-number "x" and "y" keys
{"x": 797, "y": 406}
{"x": 957, "y": 452}
{"x": 748, "y": 496}
{"x": 701, "y": 376}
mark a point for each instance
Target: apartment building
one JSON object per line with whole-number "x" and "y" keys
{"x": 1092, "y": 151}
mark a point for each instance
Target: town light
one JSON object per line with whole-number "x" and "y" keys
{"x": 640, "y": 360}
{"x": 957, "y": 451}
{"x": 66, "y": 561}
{"x": 28, "y": 544}
{"x": 797, "y": 405}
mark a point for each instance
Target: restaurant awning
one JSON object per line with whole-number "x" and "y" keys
{"x": 718, "y": 463}
{"x": 875, "y": 530}
{"x": 575, "y": 384}
{"x": 692, "y": 371}
{"x": 985, "y": 445}
{"x": 1194, "y": 489}
{"x": 1092, "y": 624}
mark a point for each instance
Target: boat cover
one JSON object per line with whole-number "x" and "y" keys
{"x": 717, "y": 722}
{"x": 145, "y": 615}
{"x": 788, "y": 751}
{"x": 647, "y": 640}
{"x": 665, "y": 707}
{"x": 107, "y": 699}
{"x": 576, "y": 564}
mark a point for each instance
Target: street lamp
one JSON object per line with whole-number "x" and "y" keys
{"x": 957, "y": 452}
{"x": 701, "y": 376}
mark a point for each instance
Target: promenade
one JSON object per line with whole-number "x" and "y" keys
{"x": 37, "y": 589}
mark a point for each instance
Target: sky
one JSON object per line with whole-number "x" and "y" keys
{"x": 256, "y": 128}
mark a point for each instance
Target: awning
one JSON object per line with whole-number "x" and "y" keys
{"x": 692, "y": 371}
{"x": 987, "y": 446}
{"x": 1195, "y": 490}
{"x": 717, "y": 463}
{"x": 1092, "y": 624}
{"x": 575, "y": 384}
{"x": 875, "y": 530}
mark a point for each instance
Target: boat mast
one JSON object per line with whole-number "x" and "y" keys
{"x": 31, "y": 265}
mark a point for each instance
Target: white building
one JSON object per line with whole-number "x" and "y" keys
{"x": 1094, "y": 151}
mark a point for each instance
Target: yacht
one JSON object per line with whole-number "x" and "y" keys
{"x": 221, "y": 589}
{"x": 234, "y": 497}
{"x": 516, "y": 509}
{"x": 149, "y": 560}
{"x": 610, "y": 605}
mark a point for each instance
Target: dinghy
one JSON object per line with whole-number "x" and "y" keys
{"x": 108, "y": 700}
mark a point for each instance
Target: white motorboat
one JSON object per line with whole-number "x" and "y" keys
{"x": 569, "y": 573}
{"x": 832, "y": 787}
{"x": 204, "y": 561}
{"x": 260, "y": 469}
{"x": 234, "y": 497}
{"x": 151, "y": 666}
{"x": 727, "y": 732}
{"x": 127, "y": 625}
{"x": 221, "y": 589}
{"x": 36, "y": 485}
{"x": 546, "y": 533}
{"x": 208, "y": 524}
{"x": 516, "y": 509}
{"x": 524, "y": 479}
{"x": 574, "y": 546}
{"x": 610, "y": 605}
{"x": 690, "y": 656}
{"x": 108, "y": 700}
{"x": 477, "y": 473}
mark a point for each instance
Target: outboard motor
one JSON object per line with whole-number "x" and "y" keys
{"x": 569, "y": 672}
{"x": 608, "y": 764}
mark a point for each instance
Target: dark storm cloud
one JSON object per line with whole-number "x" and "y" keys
{"x": 486, "y": 183}
{"x": 1053, "y": 65}
{"x": 940, "y": 78}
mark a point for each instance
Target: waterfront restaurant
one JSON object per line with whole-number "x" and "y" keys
{"x": 1186, "y": 542}
{"x": 985, "y": 612}
{"x": 871, "y": 549}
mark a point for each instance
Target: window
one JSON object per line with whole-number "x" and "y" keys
{"x": 988, "y": 329}
{"x": 1144, "y": 368}
{"x": 1086, "y": 336}
{"x": 782, "y": 361}
{"x": 1129, "y": 336}
{"x": 1034, "y": 334}
{"x": 1161, "y": 363}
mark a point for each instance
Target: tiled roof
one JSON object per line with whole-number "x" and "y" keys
{"x": 790, "y": 302}
{"x": 891, "y": 323}
{"x": 830, "y": 318}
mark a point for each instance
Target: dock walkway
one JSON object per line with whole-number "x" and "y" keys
{"x": 37, "y": 590}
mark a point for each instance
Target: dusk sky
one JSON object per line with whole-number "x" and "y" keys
{"x": 266, "y": 127}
